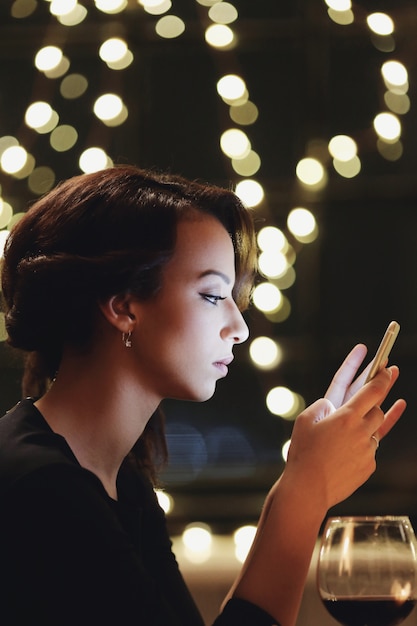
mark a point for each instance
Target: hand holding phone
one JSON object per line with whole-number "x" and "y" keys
{"x": 384, "y": 349}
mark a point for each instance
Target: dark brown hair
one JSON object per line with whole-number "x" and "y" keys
{"x": 98, "y": 235}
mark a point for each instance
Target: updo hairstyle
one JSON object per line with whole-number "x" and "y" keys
{"x": 98, "y": 235}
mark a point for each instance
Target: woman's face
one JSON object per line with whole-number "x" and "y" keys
{"x": 184, "y": 336}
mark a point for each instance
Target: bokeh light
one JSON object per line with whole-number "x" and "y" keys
{"x": 250, "y": 192}
{"x": 243, "y": 538}
{"x": 265, "y": 352}
{"x": 380, "y": 23}
{"x": 267, "y": 297}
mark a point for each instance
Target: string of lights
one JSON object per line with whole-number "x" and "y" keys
{"x": 339, "y": 155}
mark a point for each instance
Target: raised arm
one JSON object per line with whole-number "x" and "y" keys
{"x": 328, "y": 460}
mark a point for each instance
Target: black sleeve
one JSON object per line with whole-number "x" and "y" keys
{"x": 239, "y": 612}
{"x": 66, "y": 560}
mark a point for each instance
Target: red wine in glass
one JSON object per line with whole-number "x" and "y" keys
{"x": 367, "y": 570}
{"x": 370, "y": 611}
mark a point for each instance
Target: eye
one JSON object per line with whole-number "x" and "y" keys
{"x": 211, "y": 298}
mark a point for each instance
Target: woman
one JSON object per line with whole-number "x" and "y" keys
{"x": 124, "y": 287}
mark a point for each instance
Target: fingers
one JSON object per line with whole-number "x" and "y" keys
{"x": 374, "y": 392}
{"x": 391, "y": 417}
{"x": 334, "y": 448}
{"x": 344, "y": 376}
{"x": 378, "y": 423}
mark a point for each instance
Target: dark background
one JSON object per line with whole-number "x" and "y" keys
{"x": 311, "y": 79}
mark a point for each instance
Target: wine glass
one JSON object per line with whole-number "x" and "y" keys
{"x": 367, "y": 570}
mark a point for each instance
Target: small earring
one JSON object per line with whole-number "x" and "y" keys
{"x": 127, "y": 339}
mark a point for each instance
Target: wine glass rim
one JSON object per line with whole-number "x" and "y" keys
{"x": 368, "y": 518}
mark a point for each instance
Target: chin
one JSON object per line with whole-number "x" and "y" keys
{"x": 196, "y": 396}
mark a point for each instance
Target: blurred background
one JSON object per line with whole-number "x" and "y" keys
{"x": 307, "y": 109}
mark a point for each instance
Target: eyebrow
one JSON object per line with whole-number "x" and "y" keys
{"x": 216, "y": 273}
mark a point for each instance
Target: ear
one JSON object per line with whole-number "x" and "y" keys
{"x": 119, "y": 311}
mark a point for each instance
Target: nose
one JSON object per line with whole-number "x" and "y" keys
{"x": 236, "y": 327}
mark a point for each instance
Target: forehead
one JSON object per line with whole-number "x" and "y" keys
{"x": 203, "y": 243}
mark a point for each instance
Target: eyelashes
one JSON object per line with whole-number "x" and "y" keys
{"x": 212, "y": 298}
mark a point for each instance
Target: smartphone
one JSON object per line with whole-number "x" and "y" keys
{"x": 384, "y": 349}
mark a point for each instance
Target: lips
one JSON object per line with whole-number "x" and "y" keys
{"x": 223, "y": 363}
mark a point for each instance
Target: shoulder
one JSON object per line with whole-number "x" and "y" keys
{"x": 28, "y": 445}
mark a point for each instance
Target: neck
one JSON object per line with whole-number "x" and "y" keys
{"x": 101, "y": 412}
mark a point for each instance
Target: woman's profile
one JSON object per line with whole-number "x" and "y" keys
{"x": 122, "y": 288}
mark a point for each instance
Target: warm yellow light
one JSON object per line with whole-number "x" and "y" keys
{"x": 59, "y": 70}
{"x": 244, "y": 113}
{"x": 165, "y": 501}
{"x": 108, "y": 106}
{"x": 73, "y": 86}
{"x": 7, "y": 141}
{"x": 63, "y": 138}
{"x": 243, "y": 538}
{"x": 301, "y": 222}
{"x": 343, "y": 147}
{"x": 390, "y": 151}
{"x": 38, "y": 114}
{"x": 271, "y": 238}
{"x": 235, "y": 143}
{"x": 62, "y": 7}
{"x": 3, "y": 237}
{"x": 339, "y": 5}
{"x": 23, "y": 8}
{"x": 156, "y": 7}
{"x": 113, "y": 49}
{"x": 231, "y": 87}
{"x": 48, "y": 58}
{"x": 223, "y": 13}
{"x": 380, "y": 23}
{"x": 387, "y": 126}
{"x": 26, "y": 169}
{"x": 75, "y": 17}
{"x": 281, "y": 401}
{"x": 394, "y": 74}
{"x": 267, "y": 297}
{"x": 219, "y": 36}
{"x": 111, "y": 6}
{"x": 13, "y": 159}
{"x": 348, "y": 169}
{"x": 343, "y": 18}
{"x": 265, "y": 352}
{"x": 250, "y": 192}
{"x": 197, "y": 539}
{"x": 398, "y": 103}
{"x": 94, "y": 159}
{"x": 310, "y": 171}
{"x": 285, "y": 449}
{"x": 286, "y": 280}
{"x": 249, "y": 165}
{"x": 123, "y": 63}
{"x": 169, "y": 27}
{"x": 272, "y": 264}
{"x": 41, "y": 180}
{"x": 6, "y": 213}
{"x": 115, "y": 53}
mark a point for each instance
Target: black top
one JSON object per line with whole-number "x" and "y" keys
{"x": 71, "y": 555}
